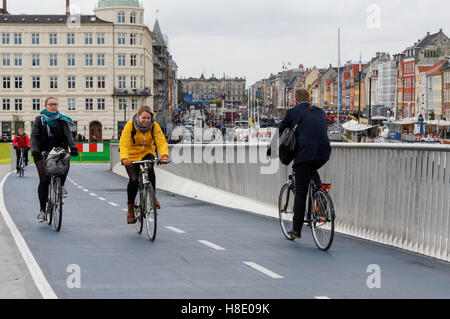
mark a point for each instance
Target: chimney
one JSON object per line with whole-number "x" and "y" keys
{"x": 4, "y": 10}
{"x": 67, "y": 7}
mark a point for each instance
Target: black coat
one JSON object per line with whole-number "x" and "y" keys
{"x": 312, "y": 134}
{"x": 40, "y": 140}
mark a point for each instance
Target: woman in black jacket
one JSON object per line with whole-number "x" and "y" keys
{"x": 50, "y": 129}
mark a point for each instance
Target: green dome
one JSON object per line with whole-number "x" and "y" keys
{"x": 118, "y": 3}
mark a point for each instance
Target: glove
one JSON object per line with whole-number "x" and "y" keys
{"x": 164, "y": 159}
{"x": 74, "y": 153}
{"x": 37, "y": 156}
{"x": 15, "y": 147}
{"x": 126, "y": 162}
{"x": 269, "y": 152}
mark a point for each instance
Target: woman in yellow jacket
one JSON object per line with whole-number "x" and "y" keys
{"x": 137, "y": 144}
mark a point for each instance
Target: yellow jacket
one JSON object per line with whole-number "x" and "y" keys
{"x": 144, "y": 143}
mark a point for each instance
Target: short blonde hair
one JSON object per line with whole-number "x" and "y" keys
{"x": 146, "y": 109}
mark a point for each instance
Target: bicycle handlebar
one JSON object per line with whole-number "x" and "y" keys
{"x": 157, "y": 161}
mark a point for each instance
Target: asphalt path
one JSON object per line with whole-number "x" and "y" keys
{"x": 202, "y": 251}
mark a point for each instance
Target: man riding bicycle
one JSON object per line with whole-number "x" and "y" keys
{"x": 141, "y": 139}
{"x": 21, "y": 142}
{"x": 313, "y": 150}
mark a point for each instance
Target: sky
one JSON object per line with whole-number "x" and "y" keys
{"x": 252, "y": 38}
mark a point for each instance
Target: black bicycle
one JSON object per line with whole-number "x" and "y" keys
{"x": 320, "y": 214}
{"x": 145, "y": 202}
{"x": 21, "y": 165}
{"x": 55, "y": 200}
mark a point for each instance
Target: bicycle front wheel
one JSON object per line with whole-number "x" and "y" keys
{"x": 286, "y": 209}
{"x": 150, "y": 213}
{"x": 322, "y": 220}
{"x": 58, "y": 203}
{"x": 138, "y": 212}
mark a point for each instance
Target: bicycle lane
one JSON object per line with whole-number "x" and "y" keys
{"x": 114, "y": 262}
{"x": 200, "y": 255}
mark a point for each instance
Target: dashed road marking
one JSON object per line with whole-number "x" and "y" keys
{"x": 113, "y": 204}
{"x": 92, "y": 194}
{"x": 212, "y": 245}
{"x": 179, "y": 231}
{"x": 322, "y": 297}
{"x": 101, "y": 198}
{"x": 263, "y": 270}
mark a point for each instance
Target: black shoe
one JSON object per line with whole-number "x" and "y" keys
{"x": 295, "y": 234}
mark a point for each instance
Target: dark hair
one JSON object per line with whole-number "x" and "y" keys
{"x": 50, "y": 98}
{"x": 301, "y": 95}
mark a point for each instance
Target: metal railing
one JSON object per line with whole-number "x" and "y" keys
{"x": 394, "y": 194}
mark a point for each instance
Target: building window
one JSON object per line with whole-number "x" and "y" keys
{"x": 122, "y": 104}
{"x": 133, "y": 17}
{"x": 88, "y": 38}
{"x": 134, "y": 104}
{"x": 133, "y": 82}
{"x": 100, "y": 38}
{"x": 133, "y": 60}
{"x": 6, "y": 82}
{"x": 6, "y": 104}
{"x": 101, "y": 59}
{"x": 101, "y": 104}
{"x": 36, "y": 82}
{"x": 132, "y": 39}
{"x": 35, "y": 38}
{"x": 36, "y": 60}
{"x": 6, "y": 60}
{"x": 18, "y": 59}
{"x": 18, "y": 104}
{"x": 121, "y": 17}
{"x": 18, "y": 82}
{"x": 122, "y": 38}
{"x": 71, "y": 104}
{"x": 53, "y": 82}
{"x": 71, "y": 59}
{"x": 89, "y": 82}
{"x": 121, "y": 60}
{"x": 89, "y": 104}
{"x": 71, "y": 82}
{"x": 36, "y": 104}
{"x": 122, "y": 82}
{"x": 89, "y": 59}
{"x": 53, "y": 39}
{"x": 101, "y": 83}
{"x": 53, "y": 60}
{"x": 70, "y": 38}
{"x": 18, "y": 38}
{"x": 5, "y": 38}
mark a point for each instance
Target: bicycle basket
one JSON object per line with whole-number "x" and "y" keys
{"x": 57, "y": 163}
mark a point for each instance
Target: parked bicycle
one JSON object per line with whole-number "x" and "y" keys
{"x": 55, "y": 200}
{"x": 320, "y": 214}
{"x": 145, "y": 202}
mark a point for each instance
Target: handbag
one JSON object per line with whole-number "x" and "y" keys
{"x": 288, "y": 141}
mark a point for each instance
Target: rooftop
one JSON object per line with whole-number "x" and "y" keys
{"x": 118, "y": 3}
{"x": 49, "y": 19}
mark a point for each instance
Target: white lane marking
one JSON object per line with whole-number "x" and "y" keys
{"x": 80, "y": 186}
{"x": 101, "y": 198}
{"x": 92, "y": 194}
{"x": 36, "y": 273}
{"x": 263, "y": 270}
{"x": 212, "y": 245}
{"x": 113, "y": 204}
{"x": 125, "y": 210}
{"x": 179, "y": 231}
{"x": 85, "y": 190}
{"x": 75, "y": 184}
{"x": 322, "y": 297}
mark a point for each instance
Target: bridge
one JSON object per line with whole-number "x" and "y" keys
{"x": 218, "y": 233}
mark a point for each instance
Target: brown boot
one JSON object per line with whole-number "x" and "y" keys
{"x": 157, "y": 204}
{"x": 131, "y": 219}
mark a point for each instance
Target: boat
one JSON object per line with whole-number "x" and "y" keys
{"x": 411, "y": 130}
{"x": 355, "y": 132}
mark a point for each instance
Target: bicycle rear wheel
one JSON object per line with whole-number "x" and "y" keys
{"x": 21, "y": 165}
{"x": 138, "y": 212}
{"x": 286, "y": 209}
{"x": 150, "y": 213}
{"x": 322, "y": 220}
{"x": 58, "y": 203}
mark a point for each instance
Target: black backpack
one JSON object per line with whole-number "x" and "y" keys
{"x": 288, "y": 141}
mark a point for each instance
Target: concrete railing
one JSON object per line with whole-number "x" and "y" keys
{"x": 393, "y": 194}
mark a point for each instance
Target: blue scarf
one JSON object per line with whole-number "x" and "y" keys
{"x": 51, "y": 119}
